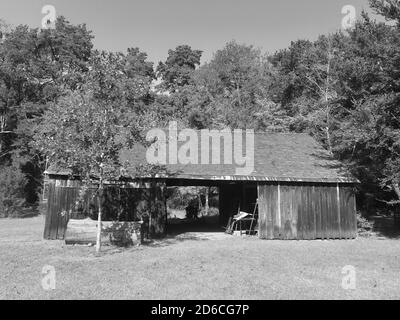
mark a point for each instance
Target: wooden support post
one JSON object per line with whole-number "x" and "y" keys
{"x": 338, "y": 206}
{"x": 279, "y": 222}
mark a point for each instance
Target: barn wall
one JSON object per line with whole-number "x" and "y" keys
{"x": 126, "y": 202}
{"x": 60, "y": 202}
{"x": 306, "y": 211}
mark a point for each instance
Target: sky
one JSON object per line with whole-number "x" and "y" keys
{"x": 155, "y": 26}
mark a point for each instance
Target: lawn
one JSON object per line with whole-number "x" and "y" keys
{"x": 195, "y": 266}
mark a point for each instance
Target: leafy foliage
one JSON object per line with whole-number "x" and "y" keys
{"x": 177, "y": 70}
{"x": 12, "y": 196}
{"x": 36, "y": 67}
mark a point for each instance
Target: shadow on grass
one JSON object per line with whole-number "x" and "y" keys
{"x": 170, "y": 241}
{"x": 193, "y": 231}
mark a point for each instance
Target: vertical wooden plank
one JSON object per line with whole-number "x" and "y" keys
{"x": 50, "y": 210}
{"x": 300, "y": 212}
{"x": 292, "y": 215}
{"x": 63, "y": 212}
{"x": 276, "y": 211}
{"x": 335, "y": 213}
{"x": 271, "y": 211}
{"x": 324, "y": 212}
{"x": 278, "y": 220}
{"x": 288, "y": 205}
{"x": 304, "y": 221}
{"x": 50, "y": 201}
{"x": 268, "y": 215}
{"x": 286, "y": 214}
{"x": 63, "y": 192}
{"x": 267, "y": 210}
{"x": 282, "y": 210}
{"x": 329, "y": 220}
{"x": 344, "y": 227}
{"x": 339, "y": 233}
{"x": 310, "y": 212}
{"x": 54, "y": 214}
{"x": 294, "y": 210}
{"x": 262, "y": 212}
{"x": 317, "y": 208}
{"x": 307, "y": 227}
{"x": 313, "y": 208}
{"x": 72, "y": 197}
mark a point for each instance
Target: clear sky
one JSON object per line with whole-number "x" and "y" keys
{"x": 158, "y": 25}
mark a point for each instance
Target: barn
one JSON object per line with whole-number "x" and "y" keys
{"x": 301, "y": 193}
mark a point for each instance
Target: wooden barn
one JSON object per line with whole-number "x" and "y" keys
{"x": 300, "y": 192}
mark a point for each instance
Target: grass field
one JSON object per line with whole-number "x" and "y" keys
{"x": 195, "y": 266}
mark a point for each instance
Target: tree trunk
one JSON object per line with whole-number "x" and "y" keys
{"x": 206, "y": 205}
{"x": 328, "y": 140}
{"x": 100, "y": 195}
{"x": 326, "y": 97}
{"x": 238, "y": 93}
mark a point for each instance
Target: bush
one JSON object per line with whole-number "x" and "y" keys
{"x": 12, "y": 183}
{"x": 364, "y": 226}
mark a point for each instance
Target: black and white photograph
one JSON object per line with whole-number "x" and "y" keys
{"x": 199, "y": 156}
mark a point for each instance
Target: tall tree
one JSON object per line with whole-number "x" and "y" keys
{"x": 87, "y": 128}
{"x": 369, "y": 137}
{"x": 232, "y": 87}
{"x": 36, "y": 67}
{"x": 137, "y": 64}
{"x": 177, "y": 70}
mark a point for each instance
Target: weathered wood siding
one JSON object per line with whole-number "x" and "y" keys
{"x": 119, "y": 204}
{"x": 61, "y": 201}
{"x": 305, "y": 211}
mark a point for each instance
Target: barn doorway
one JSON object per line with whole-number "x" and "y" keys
{"x": 208, "y": 207}
{"x": 238, "y": 199}
{"x": 192, "y": 209}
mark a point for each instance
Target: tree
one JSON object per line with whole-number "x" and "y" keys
{"x": 12, "y": 182}
{"x": 344, "y": 89}
{"x": 136, "y": 64}
{"x": 228, "y": 90}
{"x": 390, "y": 9}
{"x": 369, "y": 137}
{"x": 36, "y": 67}
{"x": 177, "y": 70}
{"x": 86, "y": 129}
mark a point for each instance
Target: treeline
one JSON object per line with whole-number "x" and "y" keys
{"x": 342, "y": 88}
